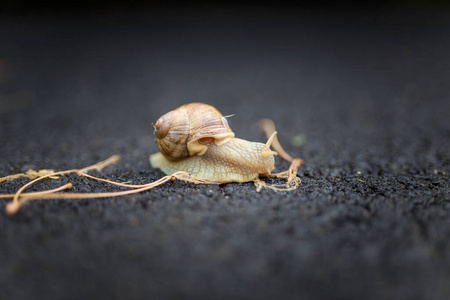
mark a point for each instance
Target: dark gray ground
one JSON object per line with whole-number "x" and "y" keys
{"x": 367, "y": 92}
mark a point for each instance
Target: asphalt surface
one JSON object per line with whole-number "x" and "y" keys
{"x": 362, "y": 97}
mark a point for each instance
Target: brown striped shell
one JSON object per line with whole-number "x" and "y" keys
{"x": 189, "y": 129}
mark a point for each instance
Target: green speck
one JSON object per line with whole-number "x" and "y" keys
{"x": 298, "y": 140}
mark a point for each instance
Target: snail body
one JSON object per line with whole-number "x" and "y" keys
{"x": 237, "y": 160}
{"x": 196, "y": 138}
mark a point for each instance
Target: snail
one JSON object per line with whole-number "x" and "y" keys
{"x": 197, "y": 139}
{"x": 196, "y": 145}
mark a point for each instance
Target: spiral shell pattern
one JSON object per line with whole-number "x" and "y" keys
{"x": 189, "y": 129}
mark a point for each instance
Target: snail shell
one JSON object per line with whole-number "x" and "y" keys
{"x": 196, "y": 138}
{"x": 189, "y": 130}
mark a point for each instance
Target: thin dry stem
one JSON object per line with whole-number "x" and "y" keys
{"x": 292, "y": 185}
{"x": 20, "y": 198}
{"x": 13, "y": 207}
{"x": 17, "y": 202}
{"x": 268, "y": 126}
{"x": 30, "y": 174}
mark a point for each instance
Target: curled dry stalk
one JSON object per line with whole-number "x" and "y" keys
{"x": 268, "y": 126}
{"x": 20, "y": 198}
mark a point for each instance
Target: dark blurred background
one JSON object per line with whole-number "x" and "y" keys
{"x": 108, "y": 59}
{"x": 23, "y": 6}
